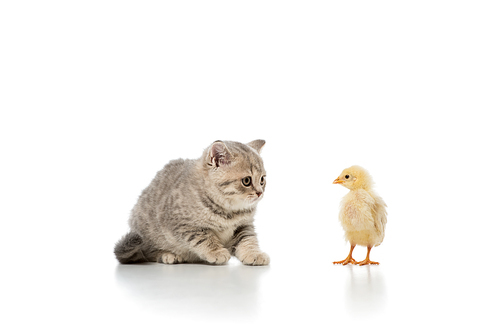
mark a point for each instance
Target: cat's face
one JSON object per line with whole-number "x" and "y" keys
{"x": 237, "y": 171}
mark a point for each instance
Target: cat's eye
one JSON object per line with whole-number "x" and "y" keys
{"x": 262, "y": 180}
{"x": 247, "y": 181}
{"x": 346, "y": 177}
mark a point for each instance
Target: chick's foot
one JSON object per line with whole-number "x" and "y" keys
{"x": 367, "y": 259}
{"x": 365, "y": 262}
{"x": 346, "y": 261}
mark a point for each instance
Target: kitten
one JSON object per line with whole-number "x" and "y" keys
{"x": 200, "y": 210}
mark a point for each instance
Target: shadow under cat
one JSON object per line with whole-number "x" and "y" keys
{"x": 193, "y": 289}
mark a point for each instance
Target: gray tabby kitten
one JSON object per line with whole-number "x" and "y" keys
{"x": 200, "y": 210}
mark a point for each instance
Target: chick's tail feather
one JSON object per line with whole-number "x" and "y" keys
{"x": 128, "y": 249}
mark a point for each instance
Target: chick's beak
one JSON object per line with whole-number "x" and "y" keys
{"x": 338, "y": 181}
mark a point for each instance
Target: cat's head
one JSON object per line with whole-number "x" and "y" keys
{"x": 237, "y": 171}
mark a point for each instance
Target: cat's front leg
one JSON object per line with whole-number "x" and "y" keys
{"x": 206, "y": 245}
{"x": 246, "y": 247}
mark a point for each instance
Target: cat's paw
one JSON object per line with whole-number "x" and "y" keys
{"x": 220, "y": 256}
{"x": 170, "y": 258}
{"x": 256, "y": 259}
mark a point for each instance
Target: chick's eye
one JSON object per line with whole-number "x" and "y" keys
{"x": 346, "y": 177}
{"x": 247, "y": 181}
{"x": 262, "y": 180}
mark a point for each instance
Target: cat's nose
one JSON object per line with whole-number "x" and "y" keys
{"x": 259, "y": 193}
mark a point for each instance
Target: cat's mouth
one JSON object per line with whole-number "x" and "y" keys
{"x": 255, "y": 198}
{"x": 252, "y": 199}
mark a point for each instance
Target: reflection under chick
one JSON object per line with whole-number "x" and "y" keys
{"x": 365, "y": 291}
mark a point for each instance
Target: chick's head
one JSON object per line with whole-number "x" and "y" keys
{"x": 355, "y": 177}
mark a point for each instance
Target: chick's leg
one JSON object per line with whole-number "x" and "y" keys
{"x": 367, "y": 260}
{"x": 348, "y": 259}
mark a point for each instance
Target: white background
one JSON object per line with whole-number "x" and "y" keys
{"x": 96, "y": 96}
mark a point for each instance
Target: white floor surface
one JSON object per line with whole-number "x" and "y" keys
{"x": 415, "y": 289}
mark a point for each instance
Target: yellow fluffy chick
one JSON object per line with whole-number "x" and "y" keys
{"x": 362, "y": 213}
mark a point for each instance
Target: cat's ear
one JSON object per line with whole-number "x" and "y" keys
{"x": 219, "y": 155}
{"x": 257, "y": 145}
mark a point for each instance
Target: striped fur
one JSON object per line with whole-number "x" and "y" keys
{"x": 200, "y": 210}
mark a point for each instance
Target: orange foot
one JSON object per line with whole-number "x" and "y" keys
{"x": 346, "y": 261}
{"x": 365, "y": 262}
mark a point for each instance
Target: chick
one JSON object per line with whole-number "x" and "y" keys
{"x": 362, "y": 213}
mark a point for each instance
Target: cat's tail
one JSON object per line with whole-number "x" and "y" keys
{"x": 128, "y": 249}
